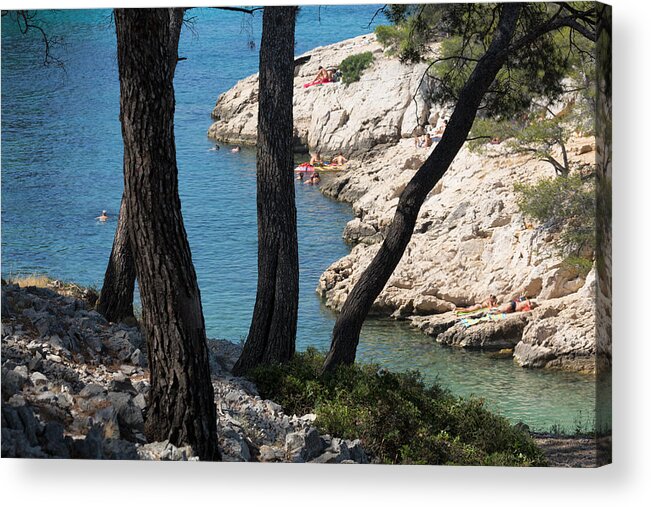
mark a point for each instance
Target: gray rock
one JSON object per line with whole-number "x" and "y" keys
{"x": 326, "y": 457}
{"x": 128, "y": 369}
{"x": 303, "y": 445}
{"x": 91, "y": 390}
{"x": 55, "y": 341}
{"x": 135, "y": 338}
{"x": 16, "y": 445}
{"x": 22, "y": 419}
{"x": 116, "y": 448}
{"x": 140, "y": 401}
{"x": 165, "y": 451}
{"x": 270, "y": 454}
{"x": 357, "y": 453}
{"x": 89, "y": 447}
{"x": 36, "y": 360}
{"x": 129, "y": 415}
{"x": 54, "y": 442}
{"x": 12, "y": 383}
{"x": 138, "y": 358}
{"x": 22, "y": 371}
{"x": 93, "y": 342}
{"x": 123, "y": 386}
{"x": 16, "y": 401}
{"x": 503, "y": 334}
{"x": 234, "y": 446}
{"x": 38, "y": 379}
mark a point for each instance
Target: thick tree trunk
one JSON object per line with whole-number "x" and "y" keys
{"x": 116, "y": 297}
{"x": 181, "y": 400}
{"x": 354, "y": 311}
{"x": 272, "y": 334}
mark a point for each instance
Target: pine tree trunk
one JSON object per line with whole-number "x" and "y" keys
{"x": 181, "y": 400}
{"x": 345, "y": 335}
{"x": 116, "y": 297}
{"x": 272, "y": 334}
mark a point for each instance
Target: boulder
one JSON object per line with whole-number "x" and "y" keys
{"x": 561, "y": 335}
{"x": 502, "y": 334}
{"x": 303, "y": 445}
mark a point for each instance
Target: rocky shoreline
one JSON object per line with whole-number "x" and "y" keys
{"x": 75, "y": 386}
{"x": 470, "y": 239}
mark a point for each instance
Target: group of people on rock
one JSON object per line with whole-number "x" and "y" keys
{"x": 521, "y": 304}
{"x": 317, "y": 160}
{"x": 430, "y": 137}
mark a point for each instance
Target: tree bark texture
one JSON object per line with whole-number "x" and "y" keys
{"x": 116, "y": 297}
{"x": 354, "y": 311}
{"x": 181, "y": 400}
{"x": 272, "y": 334}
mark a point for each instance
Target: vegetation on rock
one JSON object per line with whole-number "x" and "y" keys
{"x": 352, "y": 67}
{"x": 397, "y": 418}
{"x": 567, "y": 206}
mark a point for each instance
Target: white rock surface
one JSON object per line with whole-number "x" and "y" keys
{"x": 383, "y": 106}
{"x": 470, "y": 240}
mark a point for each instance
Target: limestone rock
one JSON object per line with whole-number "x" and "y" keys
{"x": 562, "y": 333}
{"x": 503, "y": 334}
{"x": 470, "y": 241}
{"x": 376, "y": 110}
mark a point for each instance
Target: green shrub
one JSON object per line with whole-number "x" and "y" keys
{"x": 567, "y": 205}
{"x": 352, "y": 67}
{"x": 396, "y": 416}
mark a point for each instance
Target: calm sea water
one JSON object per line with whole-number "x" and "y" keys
{"x": 61, "y": 165}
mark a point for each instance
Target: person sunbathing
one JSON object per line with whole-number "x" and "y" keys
{"x": 322, "y": 76}
{"x": 316, "y": 159}
{"x": 339, "y": 160}
{"x": 438, "y": 132}
{"x": 521, "y": 304}
{"x": 419, "y": 141}
{"x": 489, "y": 302}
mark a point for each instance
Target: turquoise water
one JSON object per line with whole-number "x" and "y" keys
{"x": 61, "y": 165}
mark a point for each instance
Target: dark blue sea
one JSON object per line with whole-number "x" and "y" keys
{"x": 62, "y": 165}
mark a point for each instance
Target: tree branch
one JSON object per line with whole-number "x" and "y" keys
{"x": 239, "y": 9}
{"x": 380, "y": 10}
{"x": 25, "y": 21}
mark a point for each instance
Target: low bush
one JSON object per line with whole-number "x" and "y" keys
{"x": 565, "y": 205}
{"x": 396, "y": 416}
{"x": 352, "y": 67}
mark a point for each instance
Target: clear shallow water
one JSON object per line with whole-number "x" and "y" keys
{"x": 61, "y": 165}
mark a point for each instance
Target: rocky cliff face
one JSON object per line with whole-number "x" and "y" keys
{"x": 387, "y": 103}
{"x": 470, "y": 239}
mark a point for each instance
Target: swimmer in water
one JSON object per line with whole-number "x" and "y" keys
{"x": 103, "y": 217}
{"x": 236, "y": 149}
{"x": 214, "y": 148}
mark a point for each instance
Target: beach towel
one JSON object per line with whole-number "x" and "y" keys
{"x": 489, "y": 317}
{"x": 317, "y": 82}
{"x": 473, "y": 313}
